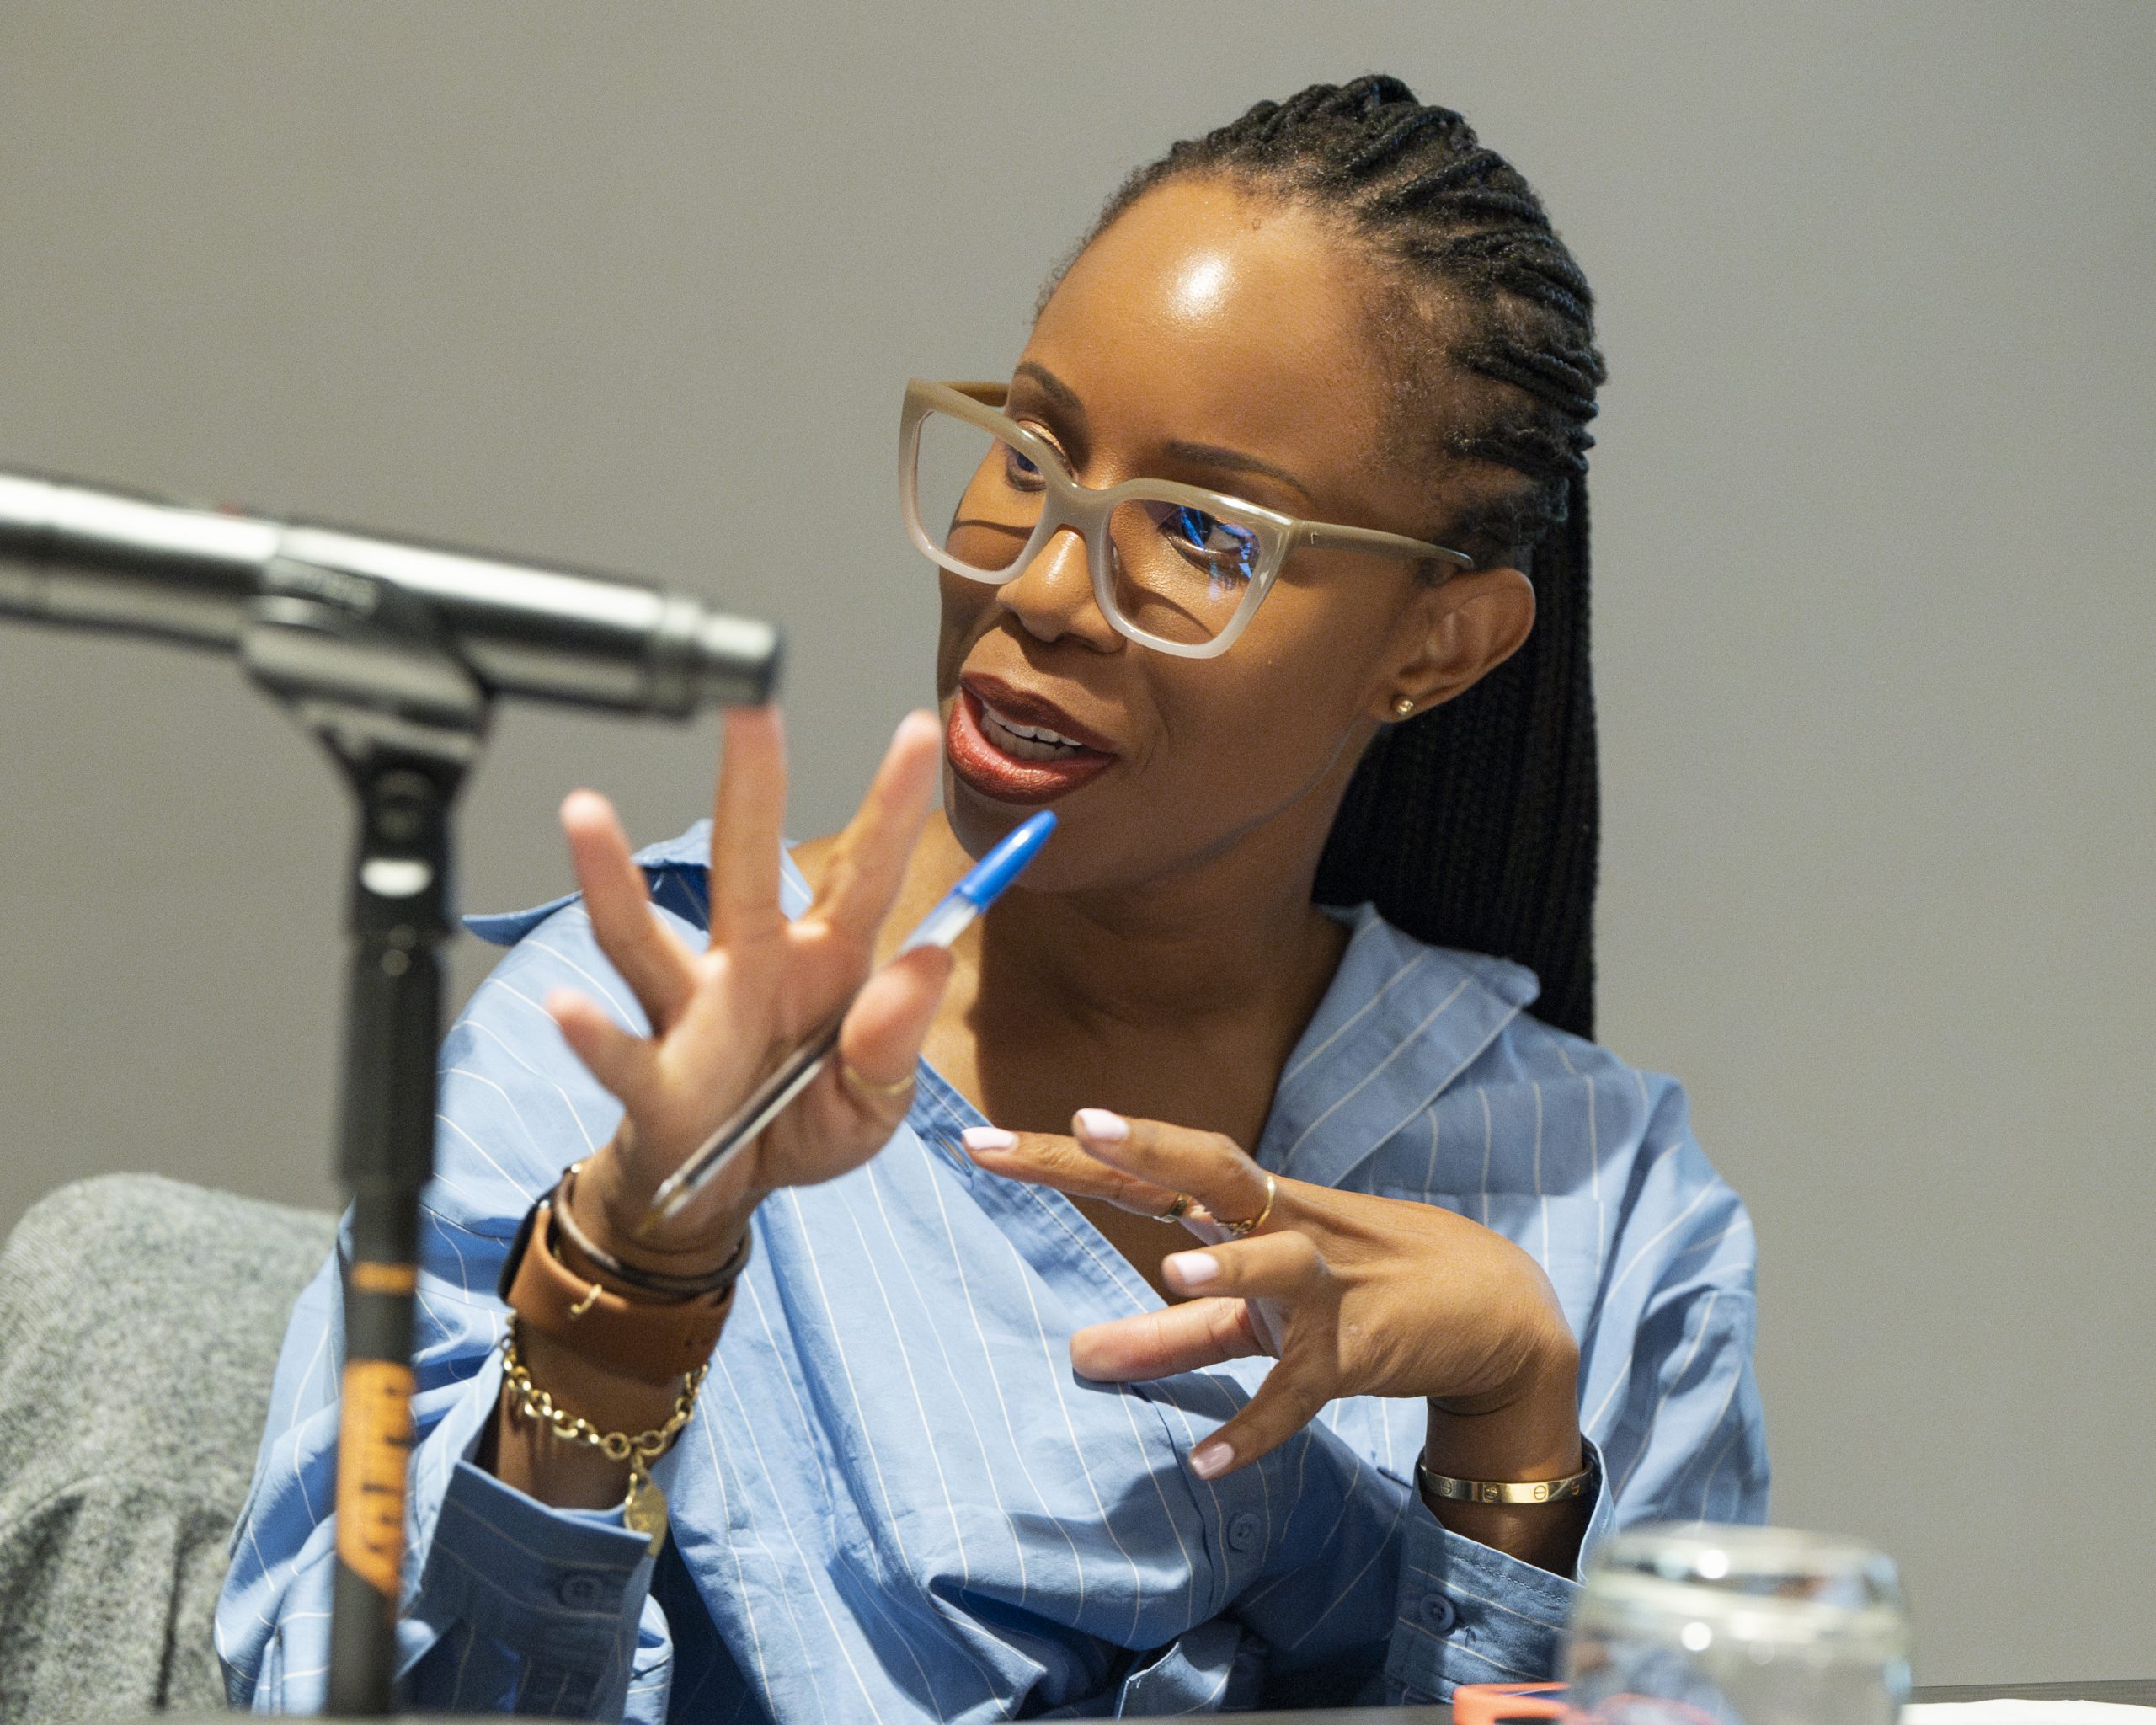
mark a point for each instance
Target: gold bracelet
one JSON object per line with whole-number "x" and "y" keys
{"x": 1501, "y": 1490}
{"x": 644, "y": 1509}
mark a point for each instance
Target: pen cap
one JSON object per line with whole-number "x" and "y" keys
{"x": 986, "y": 880}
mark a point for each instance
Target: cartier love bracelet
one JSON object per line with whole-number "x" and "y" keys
{"x": 1502, "y": 1491}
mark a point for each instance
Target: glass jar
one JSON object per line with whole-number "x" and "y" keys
{"x": 1696, "y": 1624}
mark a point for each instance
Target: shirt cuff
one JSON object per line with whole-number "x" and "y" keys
{"x": 1470, "y": 1613}
{"x": 568, "y": 1583}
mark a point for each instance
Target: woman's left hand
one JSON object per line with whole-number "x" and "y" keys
{"x": 1353, "y": 1295}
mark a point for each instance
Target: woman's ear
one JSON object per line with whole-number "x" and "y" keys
{"x": 1454, "y": 635}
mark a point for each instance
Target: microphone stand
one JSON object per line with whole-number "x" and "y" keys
{"x": 369, "y": 674}
{"x": 390, "y": 652}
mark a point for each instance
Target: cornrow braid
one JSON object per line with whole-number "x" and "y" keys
{"x": 1475, "y": 825}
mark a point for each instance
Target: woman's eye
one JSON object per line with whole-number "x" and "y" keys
{"x": 1218, "y": 541}
{"x": 1019, "y": 470}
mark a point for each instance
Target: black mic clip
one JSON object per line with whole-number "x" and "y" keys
{"x": 366, "y": 666}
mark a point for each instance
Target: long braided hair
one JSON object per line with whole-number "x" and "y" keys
{"x": 1474, "y": 824}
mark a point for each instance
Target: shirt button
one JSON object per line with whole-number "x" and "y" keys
{"x": 1244, "y": 1531}
{"x": 579, "y": 1592}
{"x": 1439, "y": 1614}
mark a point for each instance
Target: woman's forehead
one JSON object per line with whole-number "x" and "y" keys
{"x": 1202, "y": 313}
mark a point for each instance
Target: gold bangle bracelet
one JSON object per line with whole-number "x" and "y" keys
{"x": 1501, "y": 1490}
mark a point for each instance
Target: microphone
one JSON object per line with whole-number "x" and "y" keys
{"x": 92, "y": 557}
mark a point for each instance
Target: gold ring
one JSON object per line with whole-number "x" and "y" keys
{"x": 869, "y": 1087}
{"x": 1174, "y": 1212}
{"x": 1243, "y": 1231}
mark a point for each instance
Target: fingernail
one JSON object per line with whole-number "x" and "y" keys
{"x": 977, "y": 1139}
{"x": 1193, "y": 1270}
{"x": 1101, "y": 1126}
{"x": 1211, "y": 1459}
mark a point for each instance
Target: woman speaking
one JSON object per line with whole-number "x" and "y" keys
{"x": 1230, "y": 1275}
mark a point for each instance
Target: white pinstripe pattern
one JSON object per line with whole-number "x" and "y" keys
{"x": 950, "y": 1371}
{"x": 1003, "y": 1408}
{"x": 1407, "y": 1041}
{"x": 761, "y": 1309}
{"x": 1301, "y": 1061}
{"x": 897, "y": 1503}
{"x": 867, "y": 1435}
{"x": 745, "y": 1423}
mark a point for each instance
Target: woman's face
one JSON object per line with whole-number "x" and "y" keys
{"x": 1214, "y": 338}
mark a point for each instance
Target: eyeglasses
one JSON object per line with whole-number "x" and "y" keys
{"x": 1178, "y": 568}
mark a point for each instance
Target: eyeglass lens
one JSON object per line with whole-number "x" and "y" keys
{"x": 1180, "y": 572}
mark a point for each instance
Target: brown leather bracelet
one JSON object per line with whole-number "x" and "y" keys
{"x": 664, "y": 1285}
{"x": 656, "y": 1342}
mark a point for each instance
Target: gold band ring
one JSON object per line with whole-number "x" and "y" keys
{"x": 1243, "y": 1230}
{"x": 1174, "y": 1212}
{"x": 869, "y": 1087}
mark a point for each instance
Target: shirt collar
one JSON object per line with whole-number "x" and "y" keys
{"x": 688, "y": 854}
{"x": 1400, "y": 1021}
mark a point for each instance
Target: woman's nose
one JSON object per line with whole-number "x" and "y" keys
{"x": 1053, "y": 596}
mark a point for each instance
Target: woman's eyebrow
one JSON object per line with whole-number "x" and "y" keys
{"x": 1053, "y": 388}
{"x": 1211, "y": 455}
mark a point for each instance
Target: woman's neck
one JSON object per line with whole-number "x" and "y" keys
{"x": 1213, "y": 941}
{"x": 1177, "y": 999}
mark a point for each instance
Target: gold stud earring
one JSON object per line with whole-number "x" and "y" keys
{"x": 1404, "y": 706}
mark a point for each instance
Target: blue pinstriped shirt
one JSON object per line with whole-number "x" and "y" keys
{"x": 897, "y": 1503}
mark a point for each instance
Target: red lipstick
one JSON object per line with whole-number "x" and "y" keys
{"x": 970, "y": 745}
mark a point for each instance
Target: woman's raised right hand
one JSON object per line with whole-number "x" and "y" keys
{"x": 723, "y": 1018}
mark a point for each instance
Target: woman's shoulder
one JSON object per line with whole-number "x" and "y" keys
{"x": 1426, "y": 1070}
{"x": 1402, "y": 1013}
{"x": 1476, "y": 1006}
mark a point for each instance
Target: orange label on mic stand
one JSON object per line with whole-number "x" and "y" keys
{"x": 374, "y": 1441}
{"x": 371, "y": 1277}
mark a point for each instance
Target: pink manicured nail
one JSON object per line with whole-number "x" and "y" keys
{"x": 977, "y": 1139}
{"x": 1211, "y": 1459}
{"x": 1193, "y": 1270}
{"x": 1101, "y": 1126}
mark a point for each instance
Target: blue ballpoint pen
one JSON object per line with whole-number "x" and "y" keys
{"x": 982, "y": 884}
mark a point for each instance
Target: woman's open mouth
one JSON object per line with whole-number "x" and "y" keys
{"x": 1011, "y": 758}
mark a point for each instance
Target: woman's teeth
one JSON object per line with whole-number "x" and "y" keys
{"x": 1026, "y": 742}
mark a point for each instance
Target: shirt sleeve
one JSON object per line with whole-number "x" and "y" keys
{"x": 508, "y": 1605}
{"x": 1667, "y": 1386}
{"x": 537, "y": 1611}
{"x": 1467, "y": 1613}
{"x": 1669, "y": 1408}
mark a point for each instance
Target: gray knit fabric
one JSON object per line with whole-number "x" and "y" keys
{"x": 139, "y": 1325}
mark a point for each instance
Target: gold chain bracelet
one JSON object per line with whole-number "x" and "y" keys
{"x": 644, "y": 1509}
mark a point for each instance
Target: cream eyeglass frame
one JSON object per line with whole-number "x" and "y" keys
{"x": 1085, "y": 508}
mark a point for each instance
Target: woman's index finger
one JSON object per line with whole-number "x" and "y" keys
{"x": 1049, "y": 1159}
{"x": 1211, "y": 1169}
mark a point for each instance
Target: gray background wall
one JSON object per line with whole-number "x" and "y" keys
{"x": 630, "y": 284}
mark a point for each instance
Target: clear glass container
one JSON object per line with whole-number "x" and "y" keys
{"x": 1696, "y": 1624}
